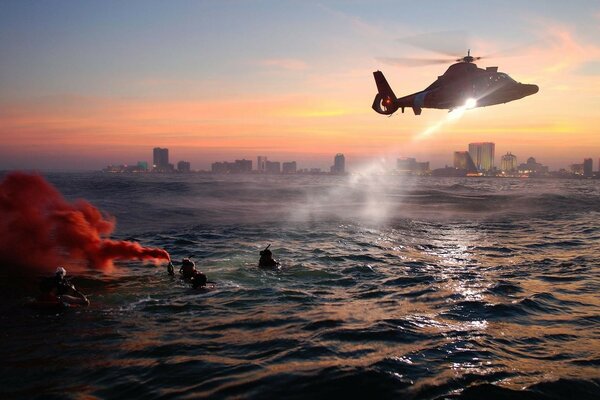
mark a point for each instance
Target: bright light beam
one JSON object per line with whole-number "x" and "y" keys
{"x": 453, "y": 116}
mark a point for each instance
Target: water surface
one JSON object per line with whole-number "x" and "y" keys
{"x": 389, "y": 287}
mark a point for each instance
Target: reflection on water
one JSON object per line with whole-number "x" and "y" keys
{"x": 455, "y": 284}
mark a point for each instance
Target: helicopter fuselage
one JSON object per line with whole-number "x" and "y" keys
{"x": 462, "y": 85}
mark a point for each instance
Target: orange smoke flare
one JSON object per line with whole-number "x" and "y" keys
{"x": 39, "y": 230}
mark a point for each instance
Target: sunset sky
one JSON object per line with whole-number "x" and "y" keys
{"x": 84, "y": 84}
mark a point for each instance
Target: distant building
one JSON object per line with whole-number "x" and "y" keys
{"x": 160, "y": 159}
{"x": 142, "y": 165}
{"x": 183, "y": 166}
{"x": 588, "y": 168}
{"x": 339, "y": 164}
{"x": 272, "y": 167}
{"x": 463, "y": 161}
{"x": 289, "y": 167}
{"x": 408, "y": 165}
{"x": 449, "y": 171}
{"x": 509, "y": 163}
{"x": 576, "y": 169}
{"x": 405, "y": 164}
{"x": 422, "y": 167}
{"x": 532, "y": 167}
{"x": 261, "y": 164}
{"x": 121, "y": 169}
{"x": 310, "y": 171}
{"x": 236, "y": 167}
{"x": 482, "y": 155}
{"x": 221, "y": 167}
{"x": 242, "y": 166}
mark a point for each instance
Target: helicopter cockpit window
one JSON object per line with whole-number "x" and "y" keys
{"x": 501, "y": 77}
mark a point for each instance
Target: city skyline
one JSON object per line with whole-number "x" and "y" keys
{"x": 86, "y": 84}
{"x": 478, "y": 160}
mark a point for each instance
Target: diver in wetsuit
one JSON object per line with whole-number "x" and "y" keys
{"x": 190, "y": 274}
{"x": 188, "y": 269}
{"x": 266, "y": 259}
{"x": 58, "y": 288}
{"x": 199, "y": 281}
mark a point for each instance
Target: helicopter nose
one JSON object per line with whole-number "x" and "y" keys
{"x": 531, "y": 89}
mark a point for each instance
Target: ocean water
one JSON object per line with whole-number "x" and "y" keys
{"x": 390, "y": 287}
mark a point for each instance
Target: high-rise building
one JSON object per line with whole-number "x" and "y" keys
{"x": 183, "y": 166}
{"x": 142, "y": 165}
{"x": 482, "y": 155}
{"x": 160, "y": 159}
{"x": 261, "y": 163}
{"x": 339, "y": 164}
{"x": 463, "y": 160}
{"x": 588, "y": 167}
{"x": 509, "y": 162}
{"x": 289, "y": 167}
{"x": 272, "y": 167}
{"x": 243, "y": 166}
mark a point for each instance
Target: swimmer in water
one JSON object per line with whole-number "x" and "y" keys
{"x": 266, "y": 259}
{"x": 59, "y": 289}
{"x": 188, "y": 269}
{"x": 189, "y": 273}
{"x": 199, "y": 280}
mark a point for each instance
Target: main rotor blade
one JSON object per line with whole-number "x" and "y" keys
{"x": 413, "y": 62}
{"x": 517, "y": 51}
{"x": 451, "y": 43}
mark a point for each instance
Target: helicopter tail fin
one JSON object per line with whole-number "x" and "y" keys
{"x": 385, "y": 101}
{"x": 383, "y": 87}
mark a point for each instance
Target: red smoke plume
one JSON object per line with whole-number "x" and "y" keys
{"x": 40, "y": 230}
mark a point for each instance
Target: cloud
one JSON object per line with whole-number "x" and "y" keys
{"x": 564, "y": 51}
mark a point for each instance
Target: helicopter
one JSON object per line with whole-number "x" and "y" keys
{"x": 462, "y": 85}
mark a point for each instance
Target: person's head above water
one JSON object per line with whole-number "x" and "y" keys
{"x": 186, "y": 262}
{"x": 199, "y": 280}
{"x": 266, "y": 252}
{"x": 61, "y": 272}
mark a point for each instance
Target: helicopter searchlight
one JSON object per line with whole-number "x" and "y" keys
{"x": 470, "y": 103}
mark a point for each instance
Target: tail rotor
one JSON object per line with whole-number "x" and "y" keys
{"x": 385, "y": 101}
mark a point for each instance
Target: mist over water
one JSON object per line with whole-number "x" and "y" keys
{"x": 390, "y": 287}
